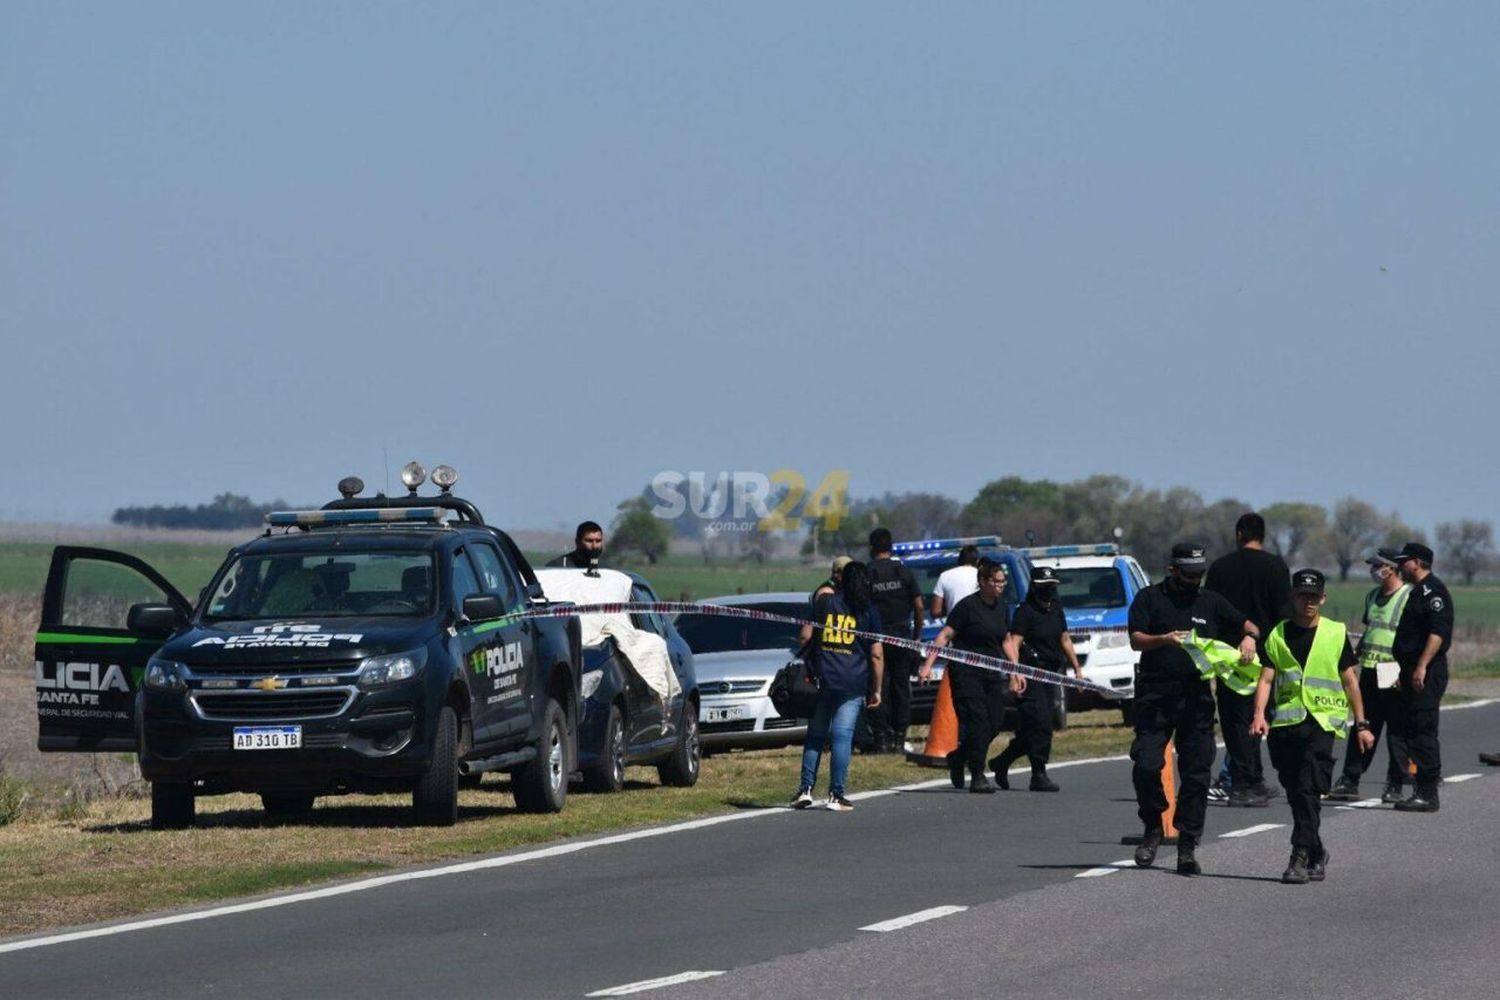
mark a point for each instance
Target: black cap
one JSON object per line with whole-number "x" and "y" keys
{"x": 1043, "y": 576}
{"x": 1308, "y": 581}
{"x": 1413, "y": 550}
{"x": 1382, "y": 557}
{"x": 1189, "y": 557}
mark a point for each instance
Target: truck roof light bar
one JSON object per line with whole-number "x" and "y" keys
{"x": 941, "y": 544}
{"x": 376, "y": 515}
{"x": 1054, "y": 551}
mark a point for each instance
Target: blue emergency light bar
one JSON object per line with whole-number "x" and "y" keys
{"x": 1053, "y": 551}
{"x": 941, "y": 544}
{"x": 369, "y": 515}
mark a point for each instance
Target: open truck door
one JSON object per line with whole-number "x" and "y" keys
{"x": 104, "y": 614}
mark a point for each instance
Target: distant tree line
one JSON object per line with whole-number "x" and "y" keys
{"x": 1043, "y": 512}
{"x": 227, "y": 511}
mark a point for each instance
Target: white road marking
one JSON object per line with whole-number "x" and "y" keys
{"x": 481, "y": 864}
{"x": 920, "y": 916}
{"x": 1362, "y": 804}
{"x": 1470, "y": 704}
{"x": 653, "y": 984}
{"x": 1457, "y": 778}
{"x": 1258, "y": 828}
{"x": 1109, "y": 869}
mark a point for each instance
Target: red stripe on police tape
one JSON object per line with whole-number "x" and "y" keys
{"x": 730, "y": 611}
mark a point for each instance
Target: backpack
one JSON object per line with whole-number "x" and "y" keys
{"x": 794, "y": 689}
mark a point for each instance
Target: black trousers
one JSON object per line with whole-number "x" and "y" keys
{"x": 1383, "y": 709}
{"x": 1165, "y": 709}
{"x": 1242, "y": 749}
{"x": 890, "y": 720}
{"x": 1033, "y": 738}
{"x": 979, "y": 702}
{"x": 1419, "y": 723}
{"x": 1303, "y": 758}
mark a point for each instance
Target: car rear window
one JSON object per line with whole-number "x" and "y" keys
{"x": 706, "y": 634}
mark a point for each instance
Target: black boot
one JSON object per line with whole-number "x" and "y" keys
{"x": 1187, "y": 861}
{"x": 1317, "y": 868}
{"x": 1423, "y": 800}
{"x": 1296, "y": 868}
{"x": 1346, "y": 789}
{"x": 1394, "y": 792}
{"x": 955, "y": 769}
{"x": 1000, "y": 764}
{"x": 1145, "y": 854}
{"x": 1041, "y": 783}
{"x": 980, "y": 783}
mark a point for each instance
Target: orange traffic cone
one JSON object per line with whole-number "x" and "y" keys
{"x": 942, "y": 731}
{"x": 1169, "y": 785}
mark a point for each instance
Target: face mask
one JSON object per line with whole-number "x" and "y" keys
{"x": 1187, "y": 588}
{"x": 1377, "y": 574}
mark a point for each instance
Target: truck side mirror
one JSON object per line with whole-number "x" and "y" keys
{"x": 535, "y": 594}
{"x": 483, "y": 607}
{"x": 153, "y": 619}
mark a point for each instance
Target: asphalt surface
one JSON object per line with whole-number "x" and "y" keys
{"x": 774, "y": 901}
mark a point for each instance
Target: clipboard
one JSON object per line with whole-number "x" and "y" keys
{"x": 1387, "y": 675}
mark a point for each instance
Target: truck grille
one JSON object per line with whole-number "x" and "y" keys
{"x": 262, "y": 670}
{"x": 271, "y": 704}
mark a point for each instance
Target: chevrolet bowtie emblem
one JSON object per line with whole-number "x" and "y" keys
{"x": 272, "y": 683}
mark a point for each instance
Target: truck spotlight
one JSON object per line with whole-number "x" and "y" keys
{"x": 412, "y": 476}
{"x": 445, "y": 477}
{"x": 351, "y": 487}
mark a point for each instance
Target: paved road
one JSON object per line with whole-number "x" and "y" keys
{"x": 775, "y": 900}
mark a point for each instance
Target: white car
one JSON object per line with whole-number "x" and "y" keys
{"x": 735, "y": 660}
{"x": 1096, "y": 585}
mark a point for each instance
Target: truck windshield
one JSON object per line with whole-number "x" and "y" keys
{"x": 721, "y": 635}
{"x": 341, "y": 584}
{"x": 1090, "y": 587}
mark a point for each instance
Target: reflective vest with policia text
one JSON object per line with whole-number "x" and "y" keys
{"x": 1378, "y": 643}
{"x": 1219, "y": 659}
{"x": 1311, "y": 688}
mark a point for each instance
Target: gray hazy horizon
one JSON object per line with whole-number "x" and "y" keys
{"x": 1247, "y": 250}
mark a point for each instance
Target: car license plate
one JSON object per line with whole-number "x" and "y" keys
{"x": 267, "y": 737}
{"x": 724, "y": 714}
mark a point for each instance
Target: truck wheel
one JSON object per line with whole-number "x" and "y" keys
{"x": 681, "y": 769}
{"x": 541, "y": 784}
{"x": 171, "y": 805}
{"x": 609, "y": 774}
{"x": 1059, "y": 711}
{"x": 435, "y": 799}
{"x": 286, "y": 805}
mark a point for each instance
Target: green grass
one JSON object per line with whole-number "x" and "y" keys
{"x": 1476, "y": 606}
{"x": 1484, "y": 668}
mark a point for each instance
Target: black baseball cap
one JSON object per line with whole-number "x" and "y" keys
{"x": 1043, "y": 576}
{"x": 1308, "y": 581}
{"x": 1413, "y": 550}
{"x": 1189, "y": 557}
{"x": 1382, "y": 557}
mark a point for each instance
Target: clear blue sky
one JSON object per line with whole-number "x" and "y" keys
{"x": 1247, "y": 248}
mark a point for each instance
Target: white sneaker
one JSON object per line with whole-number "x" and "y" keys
{"x": 838, "y": 803}
{"x": 803, "y": 800}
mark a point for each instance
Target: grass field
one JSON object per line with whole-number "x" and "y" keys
{"x": 102, "y": 862}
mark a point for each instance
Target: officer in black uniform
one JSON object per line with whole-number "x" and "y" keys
{"x": 1038, "y": 638}
{"x": 977, "y": 624}
{"x": 898, "y": 600}
{"x": 1171, "y": 698}
{"x": 1422, "y": 639}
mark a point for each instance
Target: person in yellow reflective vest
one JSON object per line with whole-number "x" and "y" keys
{"x": 1308, "y": 662}
{"x": 1383, "y": 607}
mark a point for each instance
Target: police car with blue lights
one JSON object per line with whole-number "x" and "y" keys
{"x": 369, "y": 646}
{"x": 1096, "y": 584}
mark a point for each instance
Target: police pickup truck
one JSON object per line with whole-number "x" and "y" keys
{"x": 369, "y": 646}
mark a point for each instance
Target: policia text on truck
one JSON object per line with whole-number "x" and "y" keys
{"x": 358, "y": 648}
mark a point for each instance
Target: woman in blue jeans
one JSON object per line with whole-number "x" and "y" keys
{"x": 848, "y": 669}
